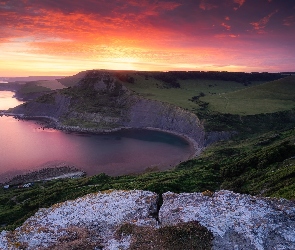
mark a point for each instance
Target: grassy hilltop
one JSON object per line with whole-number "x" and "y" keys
{"x": 258, "y": 159}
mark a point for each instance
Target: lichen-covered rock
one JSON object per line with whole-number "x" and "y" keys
{"x": 122, "y": 220}
{"x": 100, "y": 214}
{"x": 237, "y": 221}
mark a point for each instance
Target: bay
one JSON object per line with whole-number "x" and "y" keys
{"x": 26, "y": 146}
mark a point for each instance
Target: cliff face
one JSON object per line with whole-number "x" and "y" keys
{"x": 130, "y": 219}
{"x": 100, "y": 102}
{"x": 147, "y": 113}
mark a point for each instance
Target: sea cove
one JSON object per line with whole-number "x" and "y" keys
{"x": 25, "y": 146}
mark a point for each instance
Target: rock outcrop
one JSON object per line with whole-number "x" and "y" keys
{"x": 100, "y": 214}
{"x": 237, "y": 221}
{"x": 113, "y": 220}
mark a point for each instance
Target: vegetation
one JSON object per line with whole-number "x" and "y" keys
{"x": 222, "y": 96}
{"x": 258, "y": 159}
{"x": 85, "y": 98}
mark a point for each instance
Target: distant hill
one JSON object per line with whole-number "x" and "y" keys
{"x": 273, "y": 96}
{"x": 31, "y": 78}
{"x": 70, "y": 81}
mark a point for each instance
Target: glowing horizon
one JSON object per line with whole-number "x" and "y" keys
{"x": 64, "y": 37}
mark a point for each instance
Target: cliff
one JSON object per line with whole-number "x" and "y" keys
{"x": 100, "y": 102}
{"x": 132, "y": 219}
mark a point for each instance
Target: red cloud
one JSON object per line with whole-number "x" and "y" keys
{"x": 289, "y": 21}
{"x": 204, "y": 5}
{"x": 227, "y": 27}
{"x": 239, "y": 2}
{"x": 261, "y": 24}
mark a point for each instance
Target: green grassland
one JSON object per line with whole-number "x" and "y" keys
{"x": 222, "y": 96}
{"x": 268, "y": 97}
{"x": 152, "y": 88}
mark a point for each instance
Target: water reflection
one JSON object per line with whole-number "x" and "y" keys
{"x": 24, "y": 145}
{"x": 7, "y": 101}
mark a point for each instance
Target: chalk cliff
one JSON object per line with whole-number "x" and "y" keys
{"x": 127, "y": 219}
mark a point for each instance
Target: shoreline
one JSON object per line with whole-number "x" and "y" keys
{"x": 51, "y": 172}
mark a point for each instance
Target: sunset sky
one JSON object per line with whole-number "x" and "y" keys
{"x": 63, "y": 37}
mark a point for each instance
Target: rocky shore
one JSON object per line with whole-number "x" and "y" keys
{"x": 48, "y": 173}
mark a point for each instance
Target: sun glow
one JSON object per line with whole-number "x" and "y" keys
{"x": 45, "y": 38}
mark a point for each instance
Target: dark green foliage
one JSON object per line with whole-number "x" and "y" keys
{"x": 170, "y": 81}
{"x": 86, "y": 98}
{"x": 124, "y": 77}
{"x": 248, "y": 124}
{"x": 240, "y": 77}
{"x": 47, "y": 98}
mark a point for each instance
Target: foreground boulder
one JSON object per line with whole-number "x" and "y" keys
{"x": 90, "y": 221}
{"x": 237, "y": 221}
{"x": 133, "y": 220}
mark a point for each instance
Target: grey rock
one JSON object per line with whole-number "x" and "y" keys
{"x": 237, "y": 221}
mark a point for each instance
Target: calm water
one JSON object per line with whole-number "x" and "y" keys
{"x": 7, "y": 101}
{"x": 24, "y": 146}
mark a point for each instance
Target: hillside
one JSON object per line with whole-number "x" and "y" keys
{"x": 245, "y": 149}
{"x": 269, "y": 97}
{"x": 223, "y": 93}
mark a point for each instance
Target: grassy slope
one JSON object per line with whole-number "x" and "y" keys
{"x": 268, "y": 97}
{"x": 153, "y": 89}
{"x": 222, "y": 96}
